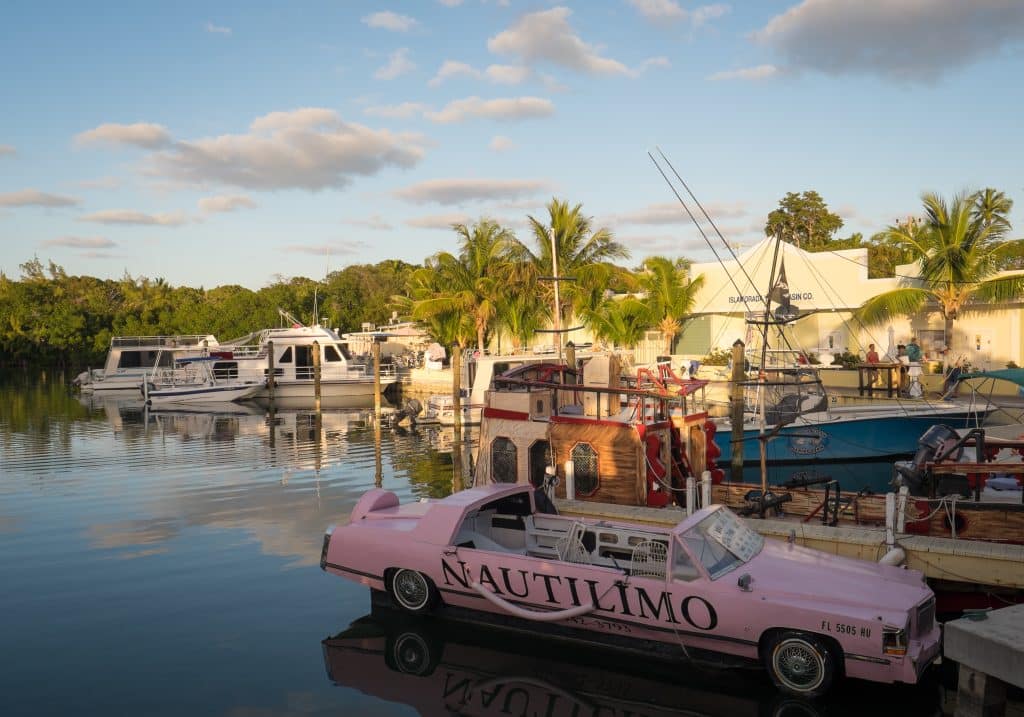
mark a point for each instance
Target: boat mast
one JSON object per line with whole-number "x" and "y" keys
{"x": 762, "y": 376}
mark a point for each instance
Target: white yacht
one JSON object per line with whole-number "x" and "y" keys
{"x": 132, "y": 358}
{"x": 293, "y": 350}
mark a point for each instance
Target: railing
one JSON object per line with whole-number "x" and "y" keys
{"x": 140, "y": 341}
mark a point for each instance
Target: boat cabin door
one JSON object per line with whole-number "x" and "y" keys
{"x": 304, "y": 361}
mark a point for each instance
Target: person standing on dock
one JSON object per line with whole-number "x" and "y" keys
{"x": 914, "y": 351}
{"x": 871, "y": 360}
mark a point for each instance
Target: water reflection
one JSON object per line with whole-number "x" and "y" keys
{"x": 440, "y": 667}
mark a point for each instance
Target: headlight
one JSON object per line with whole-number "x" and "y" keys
{"x": 894, "y": 641}
{"x": 327, "y": 544}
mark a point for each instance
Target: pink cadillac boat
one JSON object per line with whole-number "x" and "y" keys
{"x": 709, "y": 584}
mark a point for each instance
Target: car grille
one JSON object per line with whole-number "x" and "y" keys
{"x": 925, "y": 618}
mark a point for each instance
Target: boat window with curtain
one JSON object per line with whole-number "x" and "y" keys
{"x": 584, "y": 459}
{"x": 504, "y": 466}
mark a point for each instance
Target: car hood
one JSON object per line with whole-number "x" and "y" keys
{"x": 788, "y": 571}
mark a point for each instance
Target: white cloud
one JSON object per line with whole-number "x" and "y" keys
{"x": 509, "y": 108}
{"x": 761, "y": 72}
{"x": 81, "y": 242}
{"x": 375, "y": 222}
{"x": 387, "y": 20}
{"x": 908, "y": 40}
{"x": 497, "y": 74}
{"x": 507, "y": 74}
{"x": 128, "y": 216}
{"x": 308, "y": 148}
{"x": 452, "y": 68}
{"x": 304, "y": 118}
{"x": 35, "y": 198}
{"x": 501, "y": 143}
{"x": 398, "y": 64}
{"x": 225, "y": 203}
{"x": 673, "y": 213}
{"x": 450, "y": 3}
{"x": 7, "y": 150}
{"x": 140, "y": 134}
{"x": 439, "y": 221}
{"x": 405, "y": 110}
{"x": 547, "y": 37}
{"x": 701, "y": 15}
{"x": 653, "y": 62}
{"x": 217, "y": 29}
{"x": 332, "y": 249}
{"x": 662, "y": 11}
{"x": 456, "y": 191}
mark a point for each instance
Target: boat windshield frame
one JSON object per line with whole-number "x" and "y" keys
{"x": 720, "y": 542}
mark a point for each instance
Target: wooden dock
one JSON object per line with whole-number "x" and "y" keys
{"x": 962, "y": 561}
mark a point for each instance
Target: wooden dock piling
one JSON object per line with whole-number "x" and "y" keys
{"x": 457, "y": 386}
{"x": 316, "y": 375}
{"x": 376, "y": 377}
{"x": 736, "y": 410}
{"x": 270, "y": 372}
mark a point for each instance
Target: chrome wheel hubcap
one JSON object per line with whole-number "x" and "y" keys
{"x": 798, "y": 664}
{"x": 411, "y": 589}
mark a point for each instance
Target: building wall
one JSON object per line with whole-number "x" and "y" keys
{"x": 832, "y": 285}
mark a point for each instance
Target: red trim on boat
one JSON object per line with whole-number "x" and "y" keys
{"x": 507, "y": 415}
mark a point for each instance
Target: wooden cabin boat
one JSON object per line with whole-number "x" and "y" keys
{"x": 131, "y": 358}
{"x": 607, "y": 443}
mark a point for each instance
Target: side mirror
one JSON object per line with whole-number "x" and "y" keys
{"x": 744, "y": 582}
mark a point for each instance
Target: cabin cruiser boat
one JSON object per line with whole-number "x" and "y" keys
{"x": 132, "y": 358}
{"x": 293, "y": 352}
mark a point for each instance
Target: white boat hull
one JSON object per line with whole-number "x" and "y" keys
{"x": 203, "y": 394}
{"x": 332, "y": 388}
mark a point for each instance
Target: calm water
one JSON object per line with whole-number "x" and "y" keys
{"x": 167, "y": 563}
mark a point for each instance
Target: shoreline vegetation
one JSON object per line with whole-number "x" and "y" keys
{"x": 497, "y": 284}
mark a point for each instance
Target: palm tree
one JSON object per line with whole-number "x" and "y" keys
{"x": 993, "y": 207}
{"x": 622, "y": 322}
{"x": 959, "y": 250}
{"x": 670, "y": 294}
{"x": 579, "y": 248}
{"x": 471, "y": 283}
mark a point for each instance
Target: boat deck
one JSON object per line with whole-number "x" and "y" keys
{"x": 965, "y": 561}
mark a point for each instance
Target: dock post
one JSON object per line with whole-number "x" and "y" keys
{"x": 376, "y": 378}
{"x": 736, "y": 410}
{"x": 270, "y": 373}
{"x": 570, "y": 480}
{"x": 378, "y": 464}
{"x": 457, "y": 385}
{"x": 316, "y": 375}
{"x": 691, "y": 494}
{"x": 705, "y": 489}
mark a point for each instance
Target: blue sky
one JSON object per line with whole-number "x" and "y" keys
{"x": 233, "y": 142}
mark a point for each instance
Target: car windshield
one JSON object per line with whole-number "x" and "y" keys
{"x": 721, "y": 542}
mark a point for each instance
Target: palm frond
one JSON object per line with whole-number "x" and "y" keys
{"x": 887, "y": 306}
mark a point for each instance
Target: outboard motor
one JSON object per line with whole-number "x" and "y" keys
{"x": 912, "y": 473}
{"x": 410, "y": 409}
